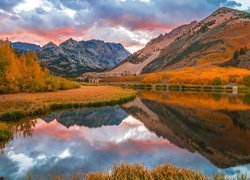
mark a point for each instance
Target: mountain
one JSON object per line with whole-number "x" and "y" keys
{"x": 243, "y": 61}
{"x": 209, "y": 42}
{"x": 72, "y": 58}
{"x": 22, "y": 47}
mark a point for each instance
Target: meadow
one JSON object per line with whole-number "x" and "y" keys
{"x": 16, "y": 106}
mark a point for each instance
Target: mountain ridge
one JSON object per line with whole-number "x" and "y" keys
{"x": 209, "y": 42}
{"x": 72, "y": 58}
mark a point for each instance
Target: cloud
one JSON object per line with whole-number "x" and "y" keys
{"x": 57, "y": 20}
{"x": 51, "y": 152}
{"x": 9, "y": 4}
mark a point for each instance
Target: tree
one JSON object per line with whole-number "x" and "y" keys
{"x": 236, "y": 54}
{"x": 243, "y": 50}
{"x": 246, "y": 81}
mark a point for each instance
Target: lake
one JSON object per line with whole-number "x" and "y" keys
{"x": 208, "y": 132}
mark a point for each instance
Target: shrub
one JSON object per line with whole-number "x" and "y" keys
{"x": 217, "y": 81}
{"x": 246, "y": 81}
{"x": 5, "y": 134}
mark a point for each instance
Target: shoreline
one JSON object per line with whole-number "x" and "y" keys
{"x": 86, "y": 96}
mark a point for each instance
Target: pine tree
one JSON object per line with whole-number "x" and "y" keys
{"x": 236, "y": 54}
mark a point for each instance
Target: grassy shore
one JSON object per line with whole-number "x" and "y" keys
{"x": 16, "y": 106}
{"x": 136, "y": 171}
{"x": 125, "y": 171}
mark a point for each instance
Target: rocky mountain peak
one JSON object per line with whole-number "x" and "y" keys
{"x": 225, "y": 14}
{"x": 225, "y": 10}
{"x": 69, "y": 42}
{"x": 72, "y": 58}
{"x": 49, "y": 45}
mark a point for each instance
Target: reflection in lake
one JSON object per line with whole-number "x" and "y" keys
{"x": 201, "y": 131}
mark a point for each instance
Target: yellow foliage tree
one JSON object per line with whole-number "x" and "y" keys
{"x": 24, "y": 73}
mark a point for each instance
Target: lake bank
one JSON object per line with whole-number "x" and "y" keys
{"x": 16, "y": 106}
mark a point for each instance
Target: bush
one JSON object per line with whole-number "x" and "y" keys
{"x": 217, "y": 82}
{"x": 5, "y": 134}
{"x": 246, "y": 81}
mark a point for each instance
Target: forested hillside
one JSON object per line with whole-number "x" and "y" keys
{"x": 24, "y": 74}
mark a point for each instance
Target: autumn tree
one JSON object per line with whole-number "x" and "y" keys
{"x": 24, "y": 74}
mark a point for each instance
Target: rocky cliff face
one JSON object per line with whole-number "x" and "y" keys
{"x": 72, "y": 58}
{"x": 209, "y": 42}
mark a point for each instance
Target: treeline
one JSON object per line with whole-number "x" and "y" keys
{"x": 24, "y": 74}
{"x": 214, "y": 76}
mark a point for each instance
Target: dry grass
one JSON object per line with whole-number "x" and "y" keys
{"x": 136, "y": 172}
{"x": 14, "y": 105}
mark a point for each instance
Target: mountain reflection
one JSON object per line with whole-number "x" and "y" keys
{"x": 218, "y": 128}
{"x": 92, "y": 118}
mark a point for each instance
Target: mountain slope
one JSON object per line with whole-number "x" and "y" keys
{"x": 210, "y": 42}
{"x": 243, "y": 61}
{"x": 22, "y": 47}
{"x": 72, "y": 58}
{"x": 135, "y": 63}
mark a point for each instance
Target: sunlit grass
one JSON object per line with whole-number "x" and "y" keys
{"x": 125, "y": 171}
{"x": 137, "y": 171}
{"x": 15, "y": 106}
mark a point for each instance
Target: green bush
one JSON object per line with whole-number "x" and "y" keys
{"x": 217, "y": 81}
{"x": 246, "y": 81}
{"x": 5, "y": 134}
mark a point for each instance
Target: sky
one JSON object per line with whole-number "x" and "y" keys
{"x": 130, "y": 22}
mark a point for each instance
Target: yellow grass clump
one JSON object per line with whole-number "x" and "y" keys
{"x": 136, "y": 171}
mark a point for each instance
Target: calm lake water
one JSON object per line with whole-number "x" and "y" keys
{"x": 207, "y": 132}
